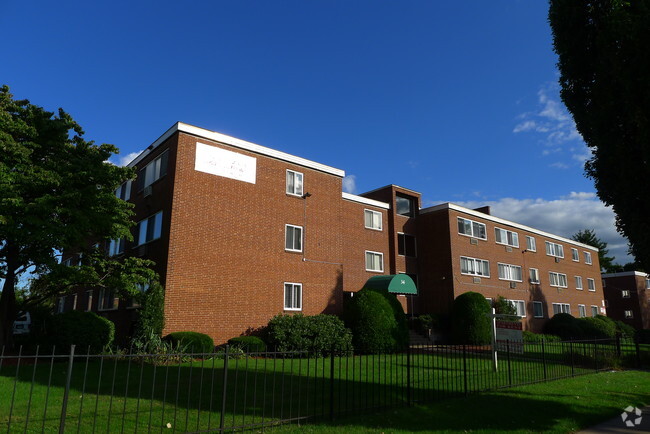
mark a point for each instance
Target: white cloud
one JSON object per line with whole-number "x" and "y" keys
{"x": 124, "y": 159}
{"x": 564, "y": 217}
{"x": 559, "y": 165}
{"x": 350, "y": 184}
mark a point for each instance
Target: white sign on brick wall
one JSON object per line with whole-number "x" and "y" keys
{"x": 217, "y": 161}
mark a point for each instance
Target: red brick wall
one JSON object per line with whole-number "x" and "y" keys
{"x": 638, "y": 301}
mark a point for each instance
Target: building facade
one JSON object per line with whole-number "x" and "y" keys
{"x": 240, "y": 232}
{"x": 627, "y": 295}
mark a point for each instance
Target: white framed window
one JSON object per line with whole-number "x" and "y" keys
{"x": 89, "y": 300}
{"x": 561, "y": 308}
{"x": 647, "y": 284}
{"x": 61, "y": 305}
{"x": 554, "y": 249}
{"x": 594, "y": 310}
{"x": 531, "y": 244}
{"x": 294, "y": 183}
{"x": 538, "y": 309}
{"x": 374, "y": 261}
{"x": 116, "y": 247}
{"x": 293, "y": 238}
{"x": 372, "y": 219}
{"x": 292, "y": 296}
{"x": 591, "y": 284}
{"x": 582, "y": 311}
{"x": 406, "y": 245}
{"x": 472, "y": 228}
{"x": 578, "y": 282}
{"x": 108, "y": 299}
{"x": 520, "y": 307}
{"x": 153, "y": 171}
{"x": 575, "y": 255}
{"x": 534, "y": 275}
{"x": 625, "y": 293}
{"x": 587, "y": 258}
{"x": 628, "y": 314}
{"x": 474, "y": 267}
{"x": 150, "y": 228}
{"x": 509, "y": 238}
{"x": 557, "y": 279}
{"x": 124, "y": 191}
{"x": 509, "y": 272}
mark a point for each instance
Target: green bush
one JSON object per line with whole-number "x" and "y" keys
{"x": 250, "y": 344}
{"x": 318, "y": 333}
{"x": 536, "y": 338}
{"x": 565, "y": 326}
{"x": 598, "y": 327}
{"x": 151, "y": 320}
{"x": 624, "y": 330}
{"x": 86, "y": 330}
{"x": 191, "y": 342}
{"x": 470, "y": 322}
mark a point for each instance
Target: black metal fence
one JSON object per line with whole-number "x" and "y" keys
{"x": 229, "y": 390}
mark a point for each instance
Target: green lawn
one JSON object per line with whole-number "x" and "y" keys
{"x": 110, "y": 394}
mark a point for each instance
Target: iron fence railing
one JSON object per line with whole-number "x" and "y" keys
{"x": 228, "y": 389}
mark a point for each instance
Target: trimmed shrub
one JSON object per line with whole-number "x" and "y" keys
{"x": 536, "y": 338}
{"x": 250, "y": 344}
{"x": 402, "y": 332}
{"x": 318, "y": 333}
{"x": 598, "y": 327}
{"x": 565, "y": 326}
{"x": 83, "y": 329}
{"x": 469, "y": 319}
{"x": 191, "y": 342}
{"x": 372, "y": 319}
{"x": 623, "y": 329}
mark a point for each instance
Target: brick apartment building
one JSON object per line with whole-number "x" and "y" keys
{"x": 240, "y": 232}
{"x": 627, "y": 295}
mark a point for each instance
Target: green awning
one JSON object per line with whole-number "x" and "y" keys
{"x": 394, "y": 283}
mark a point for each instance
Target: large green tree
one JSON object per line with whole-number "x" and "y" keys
{"x": 56, "y": 195}
{"x": 604, "y": 66}
{"x": 588, "y": 237}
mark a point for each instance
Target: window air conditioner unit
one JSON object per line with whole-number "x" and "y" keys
{"x": 557, "y": 259}
{"x": 513, "y": 285}
{"x": 147, "y": 191}
{"x": 473, "y": 241}
{"x": 477, "y": 280}
{"x": 508, "y": 249}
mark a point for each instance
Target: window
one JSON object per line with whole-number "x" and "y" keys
{"x": 474, "y": 267}
{"x": 372, "y": 219}
{"x": 124, "y": 191}
{"x": 561, "y": 308}
{"x": 150, "y": 228}
{"x": 575, "y": 254}
{"x": 510, "y": 272}
{"x": 89, "y": 300}
{"x": 553, "y": 249}
{"x": 374, "y": 261}
{"x": 108, "y": 299}
{"x": 520, "y": 307}
{"x": 133, "y": 301}
{"x": 61, "y": 305}
{"x": 594, "y": 310}
{"x": 557, "y": 279}
{"x": 591, "y": 284}
{"x": 405, "y": 205}
{"x": 293, "y": 238}
{"x": 625, "y": 293}
{"x": 406, "y": 245}
{"x": 534, "y": 275}
{"x": 153, "y": 171}
{"x": 628, "y": 314}
{"x": 292, "y": 296}
{"x": 116, "y": 247}
{"x": 538, "y": 309}
{"x": 531, "y": 244}
{"x": 294, "y": 183}
{"x": 582, "y": 311}
{"x": 647, "y": 284}
{"x": 587, "y": 258}
{"x": 578, "y": 282}
{"x": 508, "y": 238}
{"x": 471, "y": 228}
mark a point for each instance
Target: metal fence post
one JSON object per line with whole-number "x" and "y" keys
{"x": 544, "y": 358}
{"x": 225, "y": 388}
{"x": 66, "y": 392}
{"x": 572, "y": 364}
{"x": 465, "y": 369}
{"x": 509, "y": 368}
{"x": 332, "y": 384}
{"x": 408, "y": 375}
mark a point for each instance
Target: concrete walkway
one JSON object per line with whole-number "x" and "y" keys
{"x": 617, "y": 425}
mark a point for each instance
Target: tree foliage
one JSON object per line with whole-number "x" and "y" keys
{"x": 603, "y": 64}
{"x": 57, "y": 194}
{"x": 588, "y": 237}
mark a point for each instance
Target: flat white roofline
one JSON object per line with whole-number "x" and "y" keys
{"x": 238, "y": 143}
{"x": 392, "y": 185}
{"x": 365, "y": 200}
{"x": 491, "y": 218}
{"x": 624, "y": 274}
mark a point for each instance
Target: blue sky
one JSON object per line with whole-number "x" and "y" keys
{"x": 457, "y": 100}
